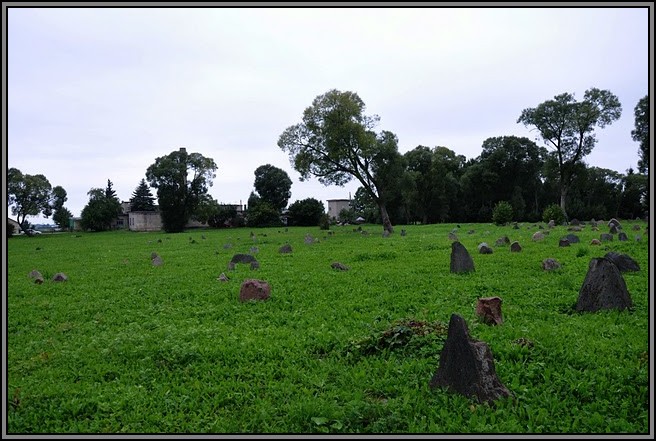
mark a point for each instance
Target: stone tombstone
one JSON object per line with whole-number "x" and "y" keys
{"x": 572, "y": 238}
{"x": 605, "y": 237}
{"x": 157, "y": 260}
{"x": 255, "y": 265}
{"x": 243, "y": 258}
{"x": 285, "y": 249}
{"x": 452, "y": 236}
{"x": 467, "y": 367}
{"x": 636, "y": 227}
{"x": 623, "y": 262}
{"x": 563, "y": 242}
{"x": 515, "y": 226}
{"x": 603, "y": 288}
{"x": 59, "y": 277}
{"x": 515, "y": 247}
{"x": 638, "y": 238}
{"x": 502, "y": 241}
{"x": 37, "y": 276}
{"x": 461, "y": 261}
{"x": 537, "y": 236}
{"x": 552, "y": 224}
{"x": 488, "y": 309}
{"x": 622, "y": 236}
{"x": 253, "y": 289}
{"x": 614, "y": 222}
{"x": 613, "y": 229}
{"x": 550, "y": 264}
{"x": 403, "y": 233}
{"x": 575, "y": 222}
{"x": 339, "y": 266}
{"x": 223, "y": 277}
{"x": 254, "y": 250}
{"x": 483, "y": 248}
{"x": 595, "y": 242}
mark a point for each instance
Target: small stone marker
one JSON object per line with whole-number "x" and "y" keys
{"x": 452, "y": 236}
{"x": 595, "y": 242}
{"x": 563, "y": 242}
{"x": 223, "y": 277}
{"x": 461, "y": 261}
{"x": 59, "y": 277}
{"x": 623, "y": 262}
{"x": 37, "y": 276}
{"x": 255, "y": 265}
{"x": 156, "y": 260}
{"x": 572, "y": 238}
{"x": 467, "y": 366}
{"x": 605, "y": 237}
{"x": 515, "y": 247}
{"x": 603, "y": 288}
{"x": 253, "y": 289}
{"x": 339, "y": 266}
{"x": 403, "y": 233}
{"x": 537, "y": 236}
{"x": 550, "y": 264}
{"x": 622, "y": 236}
{"x": 502, "y": 241}
{"x": 483, "y": 248}
{"x": 614, "y": 223}
{"x": 488, "y": 309}
{"x": 285, "y": 249}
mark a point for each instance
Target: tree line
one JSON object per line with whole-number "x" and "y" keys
{"x": 512, "y": 179}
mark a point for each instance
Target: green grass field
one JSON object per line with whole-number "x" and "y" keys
{"x": 127, "y": 347}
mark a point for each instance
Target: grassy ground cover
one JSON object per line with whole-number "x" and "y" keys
{"x": 127, "y": 347}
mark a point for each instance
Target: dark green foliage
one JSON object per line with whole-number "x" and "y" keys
{"x": 224, "y": 216}
{"x": 324, "y": 222}
{"x": 261, "y": 214}
{"x": 142, "y": 198}
{"x": 502, "y": 213}
{"x": 177, "y": 193}
{"x": 641, "y": 133}
{"x": 346, "y": 215}
{"x": 28, "y": 195}
{"x": 555, "y": 213}
{"x": 336, "y": 142}
{"x": 273, "y": 186}
{"x": 567, "y": 126}
{"x": 101, "y": 211}
{"x": 62, "y": 217}
{"x": 306, "y": 212}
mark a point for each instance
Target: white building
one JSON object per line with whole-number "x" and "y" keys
{"x": 337, "y": 205}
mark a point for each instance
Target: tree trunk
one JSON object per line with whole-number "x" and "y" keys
{"x": 387, "y": 225}
{"x": 563, "y": 195}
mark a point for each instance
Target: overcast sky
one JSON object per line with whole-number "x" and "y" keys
{"x": 99, "y": 93}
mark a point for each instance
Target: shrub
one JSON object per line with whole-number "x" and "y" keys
{"x": 554, "y": 212}
{"x": 324, "y": 222}
{"x": 502, "y": 213}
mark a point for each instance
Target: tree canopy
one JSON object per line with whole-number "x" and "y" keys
{"x": 568, "y": 127}
{"x": 142, "y": 198}
{"x": 102, "y": 210}
{"x": 32, "y": 195}
{"x": 335, "y": 142}
{"x": 273, "y": 185}
{"x": 181, "y": 179}
{"x": 641, "y": 132}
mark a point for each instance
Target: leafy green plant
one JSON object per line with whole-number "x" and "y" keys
{"x": 502, "y": 213}
{"x": 555, "y": 213}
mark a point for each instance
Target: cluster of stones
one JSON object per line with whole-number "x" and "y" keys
{"x": 38, "y": 277}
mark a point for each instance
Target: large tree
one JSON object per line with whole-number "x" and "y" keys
{"x": 306, "y": 212}
{"x": 335, "y": 143}
{"x": 101, "y": 211}
{"x": 567, "y": 126}
{"x": 181, "y": 179}
{"x": 641, "y": 132}
{"x": 31, "y": 195}
{"x": 142, "y": 198}
{"x": 273, "y": 185}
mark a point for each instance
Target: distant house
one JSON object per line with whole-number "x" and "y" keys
{"x": 337, "y": 205}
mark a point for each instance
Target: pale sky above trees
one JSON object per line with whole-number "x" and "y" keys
{"x": 99, "y": 93}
